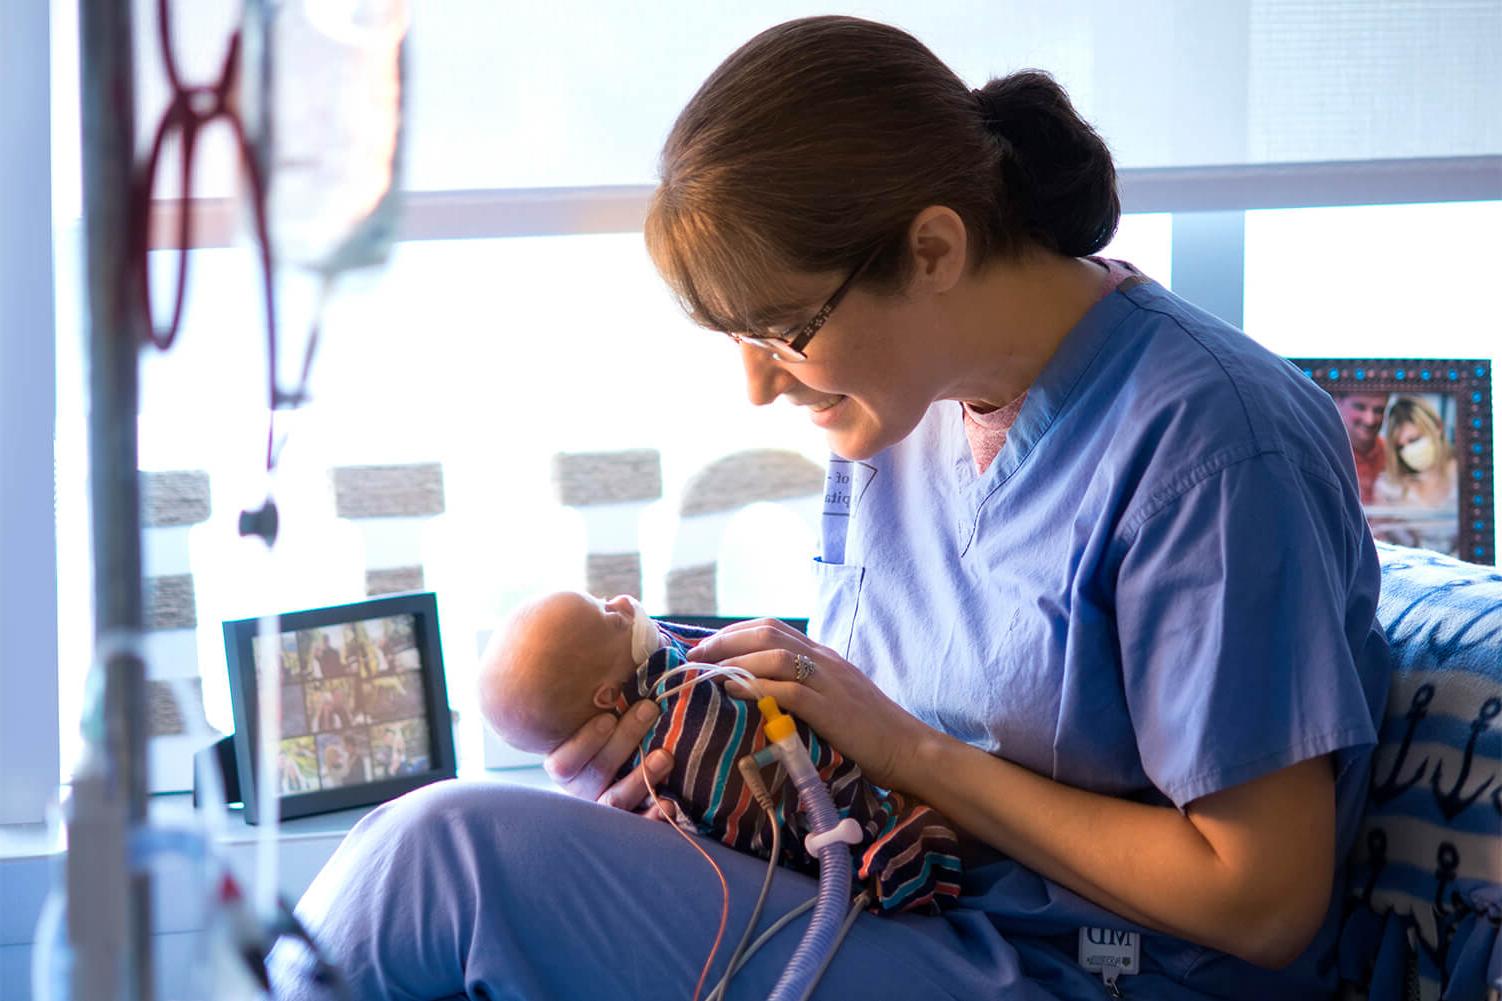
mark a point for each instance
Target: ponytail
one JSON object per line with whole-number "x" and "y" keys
{"x": 1058, "y": 181}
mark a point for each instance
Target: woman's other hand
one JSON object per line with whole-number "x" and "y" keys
{"x": 842, "y": 705}
{"x": 586, "y": 764}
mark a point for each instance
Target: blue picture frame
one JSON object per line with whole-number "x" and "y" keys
{"x": 1459, "y": 391}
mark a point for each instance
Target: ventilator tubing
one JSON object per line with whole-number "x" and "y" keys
{"x": 834, "y": 861}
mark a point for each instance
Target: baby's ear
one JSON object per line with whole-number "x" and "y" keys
{"x": 606, "y": 695}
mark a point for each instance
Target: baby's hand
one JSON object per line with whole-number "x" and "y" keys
{"x": 586, "y": 763}
{"x": 664, "y": 809}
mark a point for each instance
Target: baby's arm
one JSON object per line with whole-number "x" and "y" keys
{"x": 913, "y": 863}
{"x": 910, "y": 858}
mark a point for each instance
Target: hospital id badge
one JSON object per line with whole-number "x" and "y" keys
{"x": 1110, "y": 953}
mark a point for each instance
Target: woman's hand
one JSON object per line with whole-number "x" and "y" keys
{"x": 841, "y": 704}
{"x": 586, "y": 763}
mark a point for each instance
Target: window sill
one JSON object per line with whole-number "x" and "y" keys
{"x": 31, "y": 854}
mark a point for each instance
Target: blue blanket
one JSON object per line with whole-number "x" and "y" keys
{"x": 1426, "y": 872}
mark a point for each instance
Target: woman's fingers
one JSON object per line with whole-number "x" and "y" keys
{"x": 791, "y": 697}
{"x": 748, "y": 637}
{"x": 586, "y": 764}
{"x": 568, "y": 763}
{"x": 775, "y": 664}
{"x": 630, "y": 793}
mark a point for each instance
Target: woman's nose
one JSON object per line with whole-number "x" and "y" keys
{"x": 765, "y": 379}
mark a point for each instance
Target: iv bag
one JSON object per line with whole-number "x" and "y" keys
{"x": 323, "y": 88}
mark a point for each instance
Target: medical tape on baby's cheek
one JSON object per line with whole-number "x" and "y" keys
{"x": 645, "y": 639}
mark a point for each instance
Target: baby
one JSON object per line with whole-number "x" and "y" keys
{"x": 565, "y": 657}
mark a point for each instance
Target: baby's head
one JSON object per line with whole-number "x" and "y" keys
{"x": 559, "y": 660}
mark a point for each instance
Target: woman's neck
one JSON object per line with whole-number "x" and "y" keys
{"x": 1009, "y": 319}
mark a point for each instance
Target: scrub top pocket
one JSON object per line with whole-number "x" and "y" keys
{"x": 833, "y": 621}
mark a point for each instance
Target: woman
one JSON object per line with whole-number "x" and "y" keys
{"x": 1417, "y": 494}
{"x": 1102, "y": 592}
{"x": 1420, "y": 466}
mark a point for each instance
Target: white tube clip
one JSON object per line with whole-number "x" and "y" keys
{"x": 847, "y": 831}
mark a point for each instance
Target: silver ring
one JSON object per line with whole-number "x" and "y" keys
{"x": 803, "y": 667}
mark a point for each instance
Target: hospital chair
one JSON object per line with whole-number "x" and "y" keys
{"x": 1424, "y": 902}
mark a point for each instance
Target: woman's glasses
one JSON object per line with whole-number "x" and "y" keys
{"x": 790, "y": 347}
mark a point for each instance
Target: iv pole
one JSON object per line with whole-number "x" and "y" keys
{"x": 109, "y": 898}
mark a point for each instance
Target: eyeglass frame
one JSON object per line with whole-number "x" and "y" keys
{"x": 791, "y": 349}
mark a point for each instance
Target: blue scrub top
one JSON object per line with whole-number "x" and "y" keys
{"x": 1163, "y": 586}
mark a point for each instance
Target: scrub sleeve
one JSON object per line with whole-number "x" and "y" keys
{"x": 1210, "y": 615}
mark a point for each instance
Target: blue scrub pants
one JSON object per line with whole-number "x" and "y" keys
{"x": 489, "y": 891}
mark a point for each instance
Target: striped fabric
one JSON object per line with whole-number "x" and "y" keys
{"x": 1426, "y": 871}
{"x": 910, "y": 857}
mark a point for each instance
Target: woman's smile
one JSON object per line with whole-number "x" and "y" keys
{"x": 824, "y": 410}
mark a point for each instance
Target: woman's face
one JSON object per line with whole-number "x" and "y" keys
{"x": 1416, "y": 449}
{"x": 1405, "y": 434}
{"x": 866, "y": 381}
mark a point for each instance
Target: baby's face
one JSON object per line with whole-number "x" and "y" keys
{"x": 595, "y": 631}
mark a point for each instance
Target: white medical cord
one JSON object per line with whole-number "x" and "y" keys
{"x": 858, "y": 905}
{"x": 761, "y": 901}
{"x": 707, "y": 671}
{"x": 761, "y": 940}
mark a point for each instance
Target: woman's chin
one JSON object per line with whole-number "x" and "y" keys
{"x": 861, "y": 441}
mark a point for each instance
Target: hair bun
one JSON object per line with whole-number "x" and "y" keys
{"x": 1056, "y": 169}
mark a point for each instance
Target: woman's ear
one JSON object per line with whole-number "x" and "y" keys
{"x": 937, "y": 240}
{"x": 606, "y": 695}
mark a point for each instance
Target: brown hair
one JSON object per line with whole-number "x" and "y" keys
{"x": 816, "y": 143}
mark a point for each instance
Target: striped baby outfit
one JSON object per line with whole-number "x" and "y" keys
{"x": 909, "y": 859}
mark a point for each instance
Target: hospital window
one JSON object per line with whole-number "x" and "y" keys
{"x": 457, "y": 353}
{"x": 493, "y": 353}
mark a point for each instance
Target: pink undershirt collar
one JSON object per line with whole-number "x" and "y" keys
{"x": 987, "y": 431}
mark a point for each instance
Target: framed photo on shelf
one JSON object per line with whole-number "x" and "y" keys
{"x": 364, "y": 706}
{"x": 1421, "y": 434}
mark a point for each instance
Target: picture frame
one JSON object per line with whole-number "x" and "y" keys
{"x": 365, "y": 713}
{"x": 1422, "y": 438}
